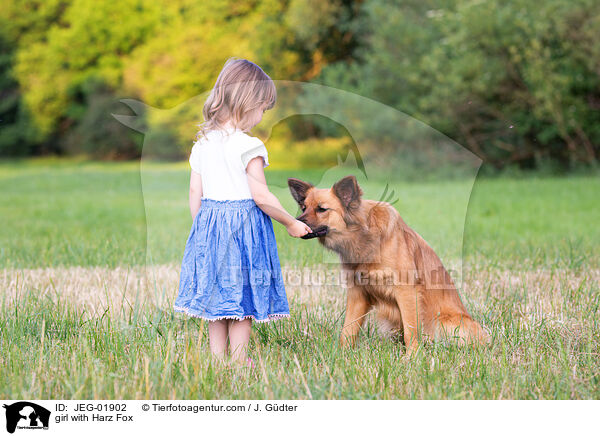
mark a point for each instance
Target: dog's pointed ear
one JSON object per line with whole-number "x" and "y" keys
{"x": 298, "y": 188}
{"x": 348, "y": 191}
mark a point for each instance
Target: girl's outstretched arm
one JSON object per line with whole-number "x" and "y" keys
{"x": 195, "y": 193}
{"x": 268, "y": 202}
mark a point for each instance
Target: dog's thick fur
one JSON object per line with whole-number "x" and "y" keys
{"x": 392, "y": 268}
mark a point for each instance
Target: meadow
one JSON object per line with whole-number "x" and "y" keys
{"x": 83, "y": 314}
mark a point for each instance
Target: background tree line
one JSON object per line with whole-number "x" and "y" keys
{"x": 517, "y": 82}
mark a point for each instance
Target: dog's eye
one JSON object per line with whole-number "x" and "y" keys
{"x": 303, "y": 208}
{"x": 321, "y": 209}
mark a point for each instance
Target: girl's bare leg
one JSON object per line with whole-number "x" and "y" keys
{"x": 217, "y": 337}
{"x": 239, "y": 335}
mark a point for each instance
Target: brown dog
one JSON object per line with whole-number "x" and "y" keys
{"x": 392, "y": 269}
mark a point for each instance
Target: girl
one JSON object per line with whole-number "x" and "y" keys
{"x": 230, "y": 273}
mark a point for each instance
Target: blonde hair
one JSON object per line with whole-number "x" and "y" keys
{"x": 241, "y": 87}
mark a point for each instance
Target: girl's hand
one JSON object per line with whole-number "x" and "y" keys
{"x": 297, "y": 229}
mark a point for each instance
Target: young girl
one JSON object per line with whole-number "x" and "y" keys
{"x": 230, "y": 272}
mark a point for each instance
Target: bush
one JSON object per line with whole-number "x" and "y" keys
{"x": 515, "y": 82}
{"x": 94, "y": 131}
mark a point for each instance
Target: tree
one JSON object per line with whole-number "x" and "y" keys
{"x": 21, "y": 24}
{"x": 513, "y": 81}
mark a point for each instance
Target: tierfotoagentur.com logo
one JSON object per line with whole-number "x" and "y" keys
{"x": 26, "y": 415}
{"x": 396, "y": 145}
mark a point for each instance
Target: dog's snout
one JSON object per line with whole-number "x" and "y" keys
{"x": 305, "y": 219}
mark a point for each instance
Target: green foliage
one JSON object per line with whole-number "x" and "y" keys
{"x": 94, "y": 131}
{"x": 86, "y": 44}
{"x": 173, "y": 67}
{"x": 311, "y": 153}
{"x": 163, "y": 53}
{"x": 513, "y": 81}
{"x": 21, "y": 24}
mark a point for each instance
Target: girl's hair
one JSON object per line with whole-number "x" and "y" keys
{"x": 241, "y": 87}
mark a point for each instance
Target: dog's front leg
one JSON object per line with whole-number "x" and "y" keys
{"x": 410, "y": 303}
{"x": 357, "y": 307}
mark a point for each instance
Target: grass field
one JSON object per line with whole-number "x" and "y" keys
{"x": 81, "y": 316}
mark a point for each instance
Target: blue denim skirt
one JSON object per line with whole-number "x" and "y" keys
{"x": 230, "y": 267}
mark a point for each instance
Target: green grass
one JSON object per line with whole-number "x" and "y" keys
{"x": 77, "y": 214}
{"x": 49, "y": 351}
{"x": 532, "y": 279}
{"x": 537, "y": 221}
{"x": 89, "y": 214}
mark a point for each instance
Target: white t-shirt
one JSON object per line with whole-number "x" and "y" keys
{"x": 221, "y": 158}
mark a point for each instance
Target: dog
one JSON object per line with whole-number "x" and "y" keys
{"x": 390, "y": 266}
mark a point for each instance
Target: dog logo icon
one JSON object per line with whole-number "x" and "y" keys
{"x": 26, "y": 415}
